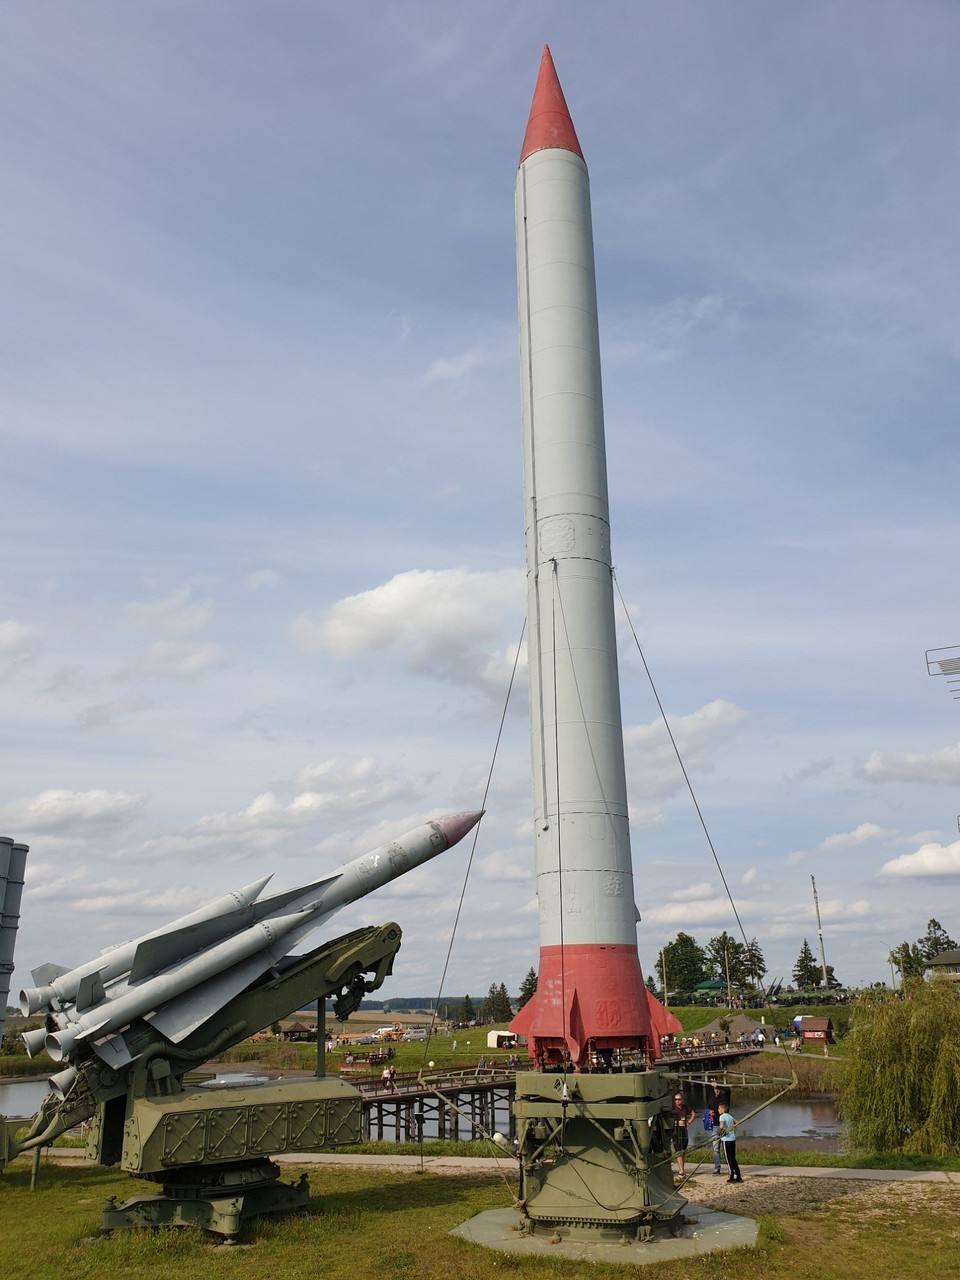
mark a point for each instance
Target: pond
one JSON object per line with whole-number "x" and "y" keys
{"x": 811, "y": 1118}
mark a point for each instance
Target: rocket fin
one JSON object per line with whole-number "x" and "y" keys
{"x": 89, "y": 1033}
{"x": 576, "y": 1035}
{"x": 185, "y": 1013}
{"x": 165, "y": 949}
{"x": 301, "y": 896}
{"x": 90, "y": 992}
{"x": 523, "y": 1019}
{"x": 662, "y": 1021}
{"x": 114, "y": 1052}
{"x": 46, "y": 973}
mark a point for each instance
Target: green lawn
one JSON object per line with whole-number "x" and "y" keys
{"x": 375, "y": 1224}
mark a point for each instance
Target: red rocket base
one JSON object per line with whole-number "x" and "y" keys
{"x": 591, "y": 1001}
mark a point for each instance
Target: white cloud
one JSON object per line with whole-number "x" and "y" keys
{"x": 939, "y": 767}
{"x": 261, "y": 579}
{"x": 504, "y": 867}
{"x": 439, "y": 620}
{"x": 326, "y": 792}
{"x": 66, "y": 811}
{"x": 645, "y": 818}
{"x": 174, "y": 615}
{"x": 685, "y": 915}
{"x": 815, "y": 769}
{"x": 177, "y": 660}
{"x": 651, "y": 760}
{"x": 692, "y": 892}
{"x": 658, "y": 335}
{"x": 16, "y": 638}
{"x": 918, "y": 838}
{"x": 928, "y": 860}
{"x": 453, "y": 367}
{"x": 102, "y": 714}
{"x": 749, "y": 876}
{"x": 851, "y": 839}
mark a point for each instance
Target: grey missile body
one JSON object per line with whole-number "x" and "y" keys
{"x": 177, "y": 978}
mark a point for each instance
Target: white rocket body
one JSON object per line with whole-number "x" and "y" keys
{"x": 590, "y": 994}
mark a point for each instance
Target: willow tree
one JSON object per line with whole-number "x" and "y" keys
{"x": 900, "y": 1079}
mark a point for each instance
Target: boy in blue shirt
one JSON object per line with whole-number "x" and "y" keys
{"x": 728, "y": 1140}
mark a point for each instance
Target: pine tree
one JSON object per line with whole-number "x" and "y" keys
{"x": 497, "y": 1007}
{"x": 466, "y": 1011}
{"x": 528, "y": 987}
{"x": 806, "y": 972}
{"x": 755, "y": 961}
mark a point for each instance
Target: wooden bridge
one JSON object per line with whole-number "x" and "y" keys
{"x": 469, "y": 1104}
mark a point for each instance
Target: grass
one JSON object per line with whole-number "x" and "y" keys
{"x": 377, "y": 1225}
{"x": 18, "y": 1064}
{"x": 753, "y": 1151}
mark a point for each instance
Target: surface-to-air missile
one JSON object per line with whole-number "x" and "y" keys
{"x": 178, "y": 977}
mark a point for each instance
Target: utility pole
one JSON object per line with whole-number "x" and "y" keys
{"x": 823, "y": 958}
{"x": 663, "y": 975}
{"x": 726, "y": 961}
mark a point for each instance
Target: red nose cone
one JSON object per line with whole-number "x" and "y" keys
{"x": 549, "y": 124}
{"x": 456, "y": 825}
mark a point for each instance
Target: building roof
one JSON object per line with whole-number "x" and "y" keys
{"x": 808, "y": 1023}
{"x": 946, "y": 957}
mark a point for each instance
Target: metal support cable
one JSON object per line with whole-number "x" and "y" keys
{"x": 476, "y": 834}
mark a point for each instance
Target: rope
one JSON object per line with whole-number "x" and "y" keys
{"x": 473, "y": 845}
{"x": 696, "y": 804}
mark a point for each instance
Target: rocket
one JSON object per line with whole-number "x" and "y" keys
{"x": 590, "y": 995}
{"x": 177, "y": 977}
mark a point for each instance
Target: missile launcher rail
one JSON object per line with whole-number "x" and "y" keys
{"x": 209, "y": 1148}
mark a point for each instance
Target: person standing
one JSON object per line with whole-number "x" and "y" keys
{"x": 682, "y": 1117}
{"x": 728, "y": 1140}
{"x": 718, "y": 1093}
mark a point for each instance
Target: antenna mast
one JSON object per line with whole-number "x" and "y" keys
{"x": 823, "y": 958}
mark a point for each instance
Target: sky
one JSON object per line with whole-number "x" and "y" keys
{"x": 261, "y": 549}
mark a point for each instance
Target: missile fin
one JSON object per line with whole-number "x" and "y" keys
{"x": 90, "y": 992}
{"x": 88, "y": 1033}
{"x": 114, "y": 1052}
{"x": 46, "y": 973}
{"x": 185, "y": 1013}
{"x": 301, "y": 895}
{"x": 165, "y": 949}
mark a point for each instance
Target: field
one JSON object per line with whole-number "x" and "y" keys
{"x": 378, "y": 1224}
{"x": 365, "y": 1224}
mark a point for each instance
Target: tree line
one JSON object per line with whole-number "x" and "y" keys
{"x": 684, "y": 964}
{"x": 496, "y": 1006}
{"x": 913, "y": 959}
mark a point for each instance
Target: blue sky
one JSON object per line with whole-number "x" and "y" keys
{"x": 261, "y": 562}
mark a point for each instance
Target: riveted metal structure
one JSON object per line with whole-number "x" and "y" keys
{"x": 210, "y": 1148}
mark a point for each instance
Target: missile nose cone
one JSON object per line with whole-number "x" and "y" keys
{"x": 456, "y": 825}
{"x": 549, "y": 124}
